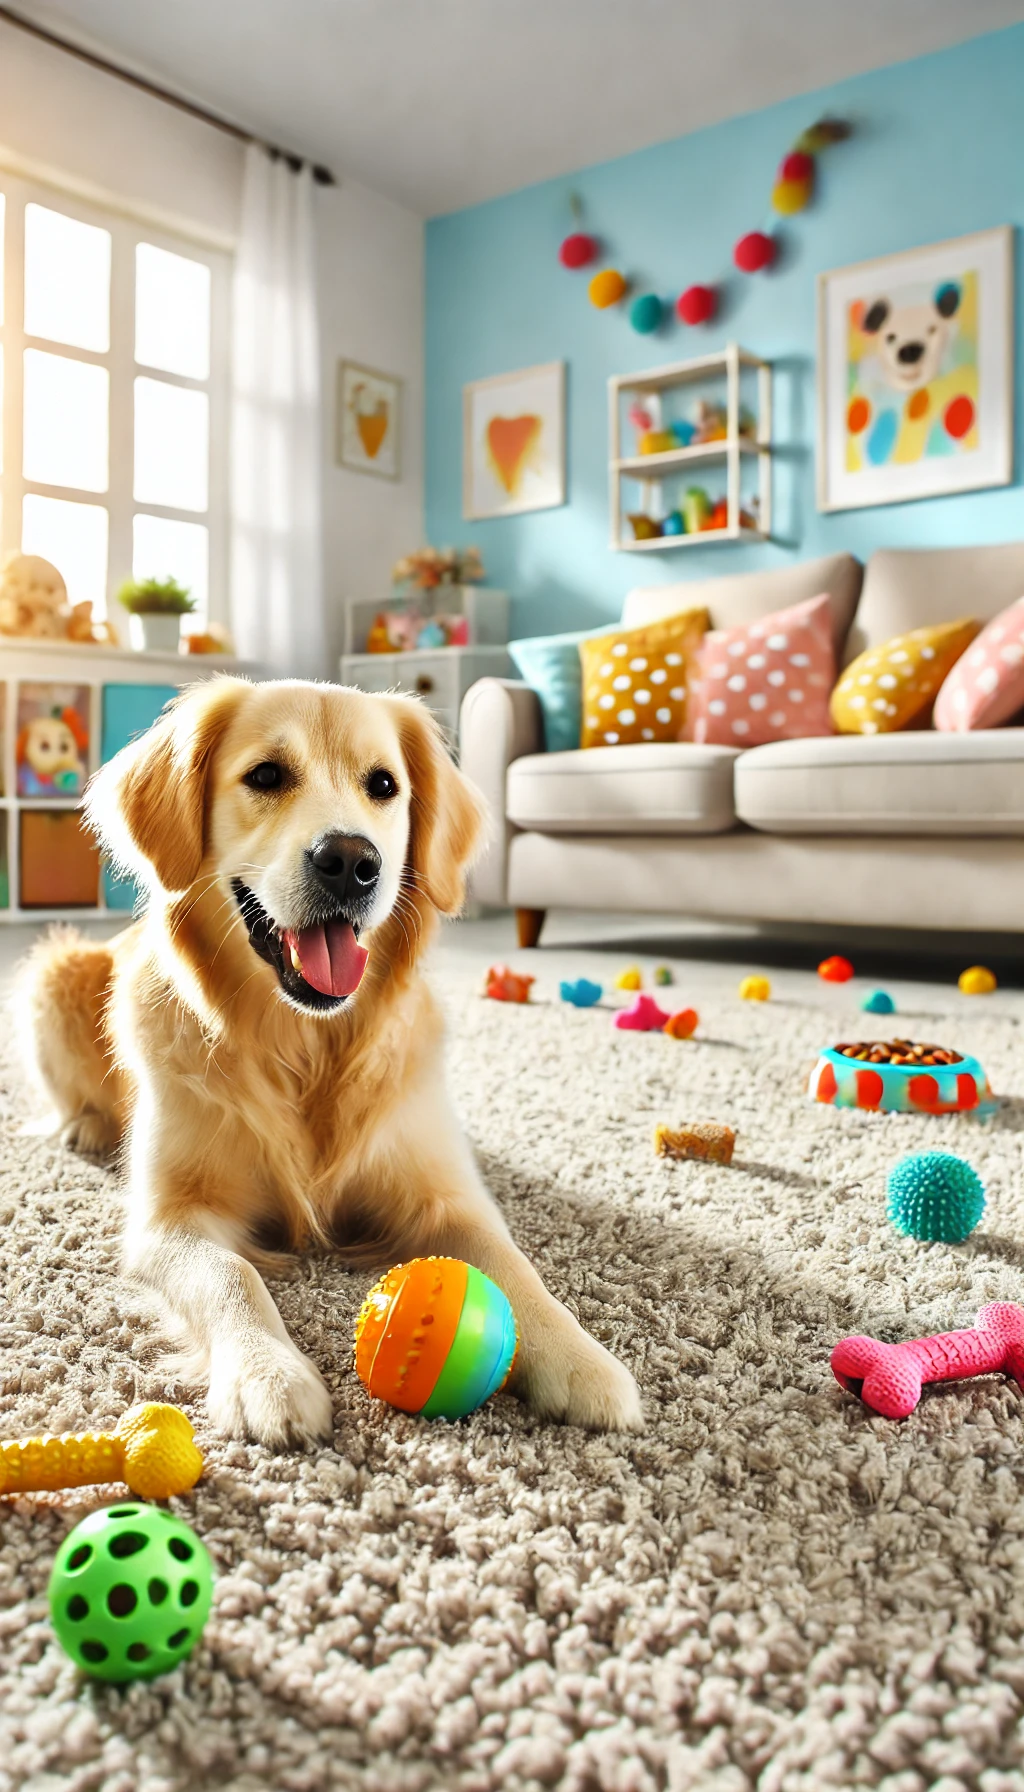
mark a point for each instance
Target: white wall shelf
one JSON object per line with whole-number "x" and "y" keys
{"x": 730, "y": 452}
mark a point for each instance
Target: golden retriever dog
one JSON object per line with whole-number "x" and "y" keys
{"x": 264, "y": 1044}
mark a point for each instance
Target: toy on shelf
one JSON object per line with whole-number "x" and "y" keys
{"x": 899, "y": 1077}
{"x": 889, "y": 1377}
{"x": 642, "y": 1016}
{"x": 934, "y": 1195}
{"x": 673, "y": 524}
{"x": 503, "y": 984}
{"x": 151, "y": 1449}
{"x": 977, "y": 981}
{"x": 878, "y": 1002}
{"x": 644, "y": 527}
{"x": 697, "y": 305}
{"x": 607, "y": 288}
{"x": 705, "y": 1140}
{"x": 696, "y": 509}
{"x": 663, "y": 978}
{"x": 34, "y": 605}
{"x": 835, "y": 970}
{"x": 755, "y": 989}
{"x": 645, "y": 313}
{"x": 582, "y": 993}
{"x": 435, "y": 1337}
{"x": 657, "y": 441}
{"x": 682, "y": 1025}
{"x": 630, "y": 978}
{"x": 130, "y": 1592}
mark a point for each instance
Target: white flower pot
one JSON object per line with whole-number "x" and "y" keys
{"x": 154, "y": 633}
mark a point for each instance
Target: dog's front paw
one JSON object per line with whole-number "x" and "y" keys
{"x": 272, "y": 1394}
{"x": 565, "y": 1374}
{"x": 92, "y": 1134}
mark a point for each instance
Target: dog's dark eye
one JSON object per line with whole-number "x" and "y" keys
{"x": 381, "y": 785}
{"x": 266, "y": 776}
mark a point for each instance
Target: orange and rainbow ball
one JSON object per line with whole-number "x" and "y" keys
{"x": 435, "y": 1337}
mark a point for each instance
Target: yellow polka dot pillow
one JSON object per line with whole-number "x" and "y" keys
{"x": 635, "y": 681}
{"x": 894, "y": 686}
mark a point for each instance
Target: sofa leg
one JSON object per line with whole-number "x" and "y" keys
{"x": 529, "y": 922}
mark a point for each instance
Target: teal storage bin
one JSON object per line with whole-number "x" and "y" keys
{"x": 128, "y": 710}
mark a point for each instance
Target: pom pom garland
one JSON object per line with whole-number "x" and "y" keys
{"x": 578, "y": 250}
{"x": 697, "y": 304}
{"x": 754, "y": 251}
{"x": 645, "y": 313}
{"x": 606, "y": 288}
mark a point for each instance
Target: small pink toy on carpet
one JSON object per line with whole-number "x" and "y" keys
{"x": 889, "y": 1377}
{"x": 642, "y": 1016}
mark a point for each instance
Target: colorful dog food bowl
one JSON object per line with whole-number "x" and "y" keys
{"x": 896, "y": 1076}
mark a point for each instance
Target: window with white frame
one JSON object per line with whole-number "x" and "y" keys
{"x": 114, "y": 346}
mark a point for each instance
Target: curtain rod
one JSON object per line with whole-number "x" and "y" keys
{"x": 322, "y": 176}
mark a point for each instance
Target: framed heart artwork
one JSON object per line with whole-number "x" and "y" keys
{"x": 513, "y": 442}
{"x": 368, "y": 422}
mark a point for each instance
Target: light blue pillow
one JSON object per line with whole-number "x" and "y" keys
{"x": 551, "y": 665}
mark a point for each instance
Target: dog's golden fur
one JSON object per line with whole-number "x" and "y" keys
{"x": 245, "y": 1118}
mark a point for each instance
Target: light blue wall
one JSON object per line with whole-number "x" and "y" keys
{"x": 938, "y": 150}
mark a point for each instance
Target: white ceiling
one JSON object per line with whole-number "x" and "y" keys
{"x": 442, "y": 103}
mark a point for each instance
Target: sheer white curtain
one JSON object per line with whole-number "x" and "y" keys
{"x": 277, "y": 591}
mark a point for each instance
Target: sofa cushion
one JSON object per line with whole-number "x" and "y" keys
{"x": 908, "y": 588}
{"x": 888, "y": 688}
{"x": 747, "y": 596}
{"x": 918, "y": 783}
{"x": 665, "y": 787}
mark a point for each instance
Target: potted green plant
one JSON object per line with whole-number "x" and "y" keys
{"x": 155, "y": 608}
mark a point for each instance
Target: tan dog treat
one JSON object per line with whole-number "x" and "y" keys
{"x": 707, "y": 1140}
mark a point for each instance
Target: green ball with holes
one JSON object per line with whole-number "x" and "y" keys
{"x": 130, "y": 1592}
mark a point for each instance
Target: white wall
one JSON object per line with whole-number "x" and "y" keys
{"x": 371, "y": 311}
{"x": 59, "y": 112}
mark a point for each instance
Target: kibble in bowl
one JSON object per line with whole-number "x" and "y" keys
{"x": 899, "y": 1076}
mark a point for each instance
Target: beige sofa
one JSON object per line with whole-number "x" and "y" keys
{"x": 902, "y": 830}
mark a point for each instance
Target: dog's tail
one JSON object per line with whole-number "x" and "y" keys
{"x": 60, "y": 1000}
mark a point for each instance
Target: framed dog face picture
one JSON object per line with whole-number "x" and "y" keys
{"x": 915, "y": 373}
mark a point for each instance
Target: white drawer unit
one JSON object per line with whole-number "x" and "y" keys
{"x": 440, "y": 675}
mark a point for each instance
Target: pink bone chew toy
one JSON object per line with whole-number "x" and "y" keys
{"x": 889, "y": 1377}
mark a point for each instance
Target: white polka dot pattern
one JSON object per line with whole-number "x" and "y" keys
{"x": 786, "y": 660}
{"x": 986, "y": 686}
{"x": 635, "y": 681}
{"x": 892, "y": 686}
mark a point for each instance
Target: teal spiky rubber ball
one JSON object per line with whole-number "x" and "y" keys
{"x": 934, "y": 1195}
{"x": 130, "y": 1592}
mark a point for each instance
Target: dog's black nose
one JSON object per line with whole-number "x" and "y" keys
{"x": 346, "y": 865}
{"x": 910, "y": 353}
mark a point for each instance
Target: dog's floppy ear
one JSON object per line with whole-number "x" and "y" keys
{"x": 447, "y": 812}
{"x": 148, "y": 805}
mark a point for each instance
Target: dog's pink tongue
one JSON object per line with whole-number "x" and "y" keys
{"x": 331, "y": 958}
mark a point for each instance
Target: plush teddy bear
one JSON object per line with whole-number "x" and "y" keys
{"x": 33, "y": 598}
{"x": 34, "y": 605}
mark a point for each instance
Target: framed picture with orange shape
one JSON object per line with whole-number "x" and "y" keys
{"x": 915, "y": 373}
{"x": 513, "y": 442}
{"x": 368, "y": 432}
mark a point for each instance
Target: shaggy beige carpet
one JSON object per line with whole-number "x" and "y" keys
{"x": 767, "y": 1589}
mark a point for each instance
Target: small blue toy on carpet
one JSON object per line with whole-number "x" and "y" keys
{"x": 934, "y": 1195}
{"x": 582, "y": 993}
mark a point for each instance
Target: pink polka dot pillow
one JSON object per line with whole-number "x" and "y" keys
{"x": 986, "y": 686}
{"x": 766, "y": 680}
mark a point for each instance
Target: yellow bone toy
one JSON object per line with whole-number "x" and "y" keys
{"x": 152, "y": 1449}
